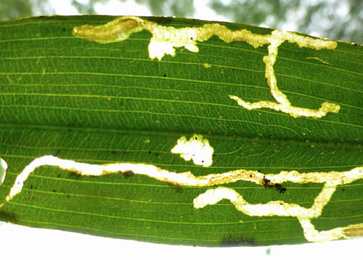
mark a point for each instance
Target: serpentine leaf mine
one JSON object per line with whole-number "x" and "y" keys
{"x": 212, "y": 196}
{"x": 165, "y": 39}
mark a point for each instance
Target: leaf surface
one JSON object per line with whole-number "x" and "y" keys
{"x": 110, "y": 103}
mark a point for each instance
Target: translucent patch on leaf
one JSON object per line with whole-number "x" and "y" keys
{"x": 166, "y": 39}
{"x": 3, "y": 168}
{"x": 118, "y": 29}
{"x": 196, "y": 149}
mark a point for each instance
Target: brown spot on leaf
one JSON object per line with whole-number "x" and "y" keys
{"x": 128, "y": 174}
{"x": 268, "y": 184}
{"x": 177, "y": 188}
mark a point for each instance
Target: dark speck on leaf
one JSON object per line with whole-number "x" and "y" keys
{"x": 267, "y": 184}
{"x": 128, "y": 174}
{"x": 177, "y": 188}
{"x": 279, "y": 188}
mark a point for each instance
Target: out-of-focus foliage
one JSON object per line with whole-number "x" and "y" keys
{"x": 87, "y": 7}
{"x": 334, "y": 19}
{"x": 15, "y": 8}
{"x": 177, "y": 8}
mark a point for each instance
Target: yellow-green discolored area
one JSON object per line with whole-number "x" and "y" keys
{"x": 98, "y": 104}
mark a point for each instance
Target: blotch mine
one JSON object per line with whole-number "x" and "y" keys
{"x": 197, "y": 149}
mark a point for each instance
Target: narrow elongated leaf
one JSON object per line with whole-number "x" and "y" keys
{"x": 275, "y": 116}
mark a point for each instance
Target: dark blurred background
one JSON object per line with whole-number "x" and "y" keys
{"x": 334, "y": 19}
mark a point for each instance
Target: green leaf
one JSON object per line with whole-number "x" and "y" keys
{"x": 95, "y": 103}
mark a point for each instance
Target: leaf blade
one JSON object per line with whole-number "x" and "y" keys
{"x": 100, "y": 104}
